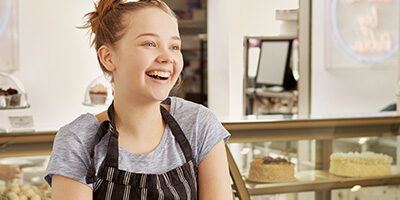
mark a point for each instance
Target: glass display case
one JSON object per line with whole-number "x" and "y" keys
{"x": 30, "y": 184}
{"x": 303, "y": 145}
{"x": 287, "y": 157}
{"x": 12, "y": 93}
{"x": 99, "y": 92}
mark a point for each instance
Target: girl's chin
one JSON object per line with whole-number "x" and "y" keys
{"x": 160, "y": 96}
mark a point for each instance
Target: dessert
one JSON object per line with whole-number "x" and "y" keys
{"x": 15, "y": 97}
{"x": 360, "y": 164}
{"x": 98, "y": 94}
{"x": 271, "y": 169}
{"x": 19, "y": 190}
{"x": 9, "y": 97}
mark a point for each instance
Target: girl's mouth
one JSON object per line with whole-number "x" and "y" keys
{"x": 159, "y": 75}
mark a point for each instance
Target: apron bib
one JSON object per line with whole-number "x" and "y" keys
{"x": 111, "y": 183}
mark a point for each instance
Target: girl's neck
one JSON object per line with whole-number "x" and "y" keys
{"x": 137, "y": 118}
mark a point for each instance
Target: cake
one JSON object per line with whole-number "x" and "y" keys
{"x": 10, "y": 97}
{"x": 98, "y": 94}
{"x": 271, "y": 169}
{"x": 360, "y": 164}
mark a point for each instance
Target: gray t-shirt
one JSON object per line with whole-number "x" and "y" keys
{"x": 70, "y": 156}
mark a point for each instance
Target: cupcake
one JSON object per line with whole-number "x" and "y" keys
{"x": 9, "y": 97}
{"x": 15, "y": 98}
{"x": 98, "y": 94}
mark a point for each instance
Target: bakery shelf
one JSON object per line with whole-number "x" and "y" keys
{"x": 192, "y": 27}
{"x": 264, "y": 129}
{"x": 27, "y": 137}
{"x": 320, "y": 180}
{"x": 15, "y": 107}
{"x": 26, "y": 143}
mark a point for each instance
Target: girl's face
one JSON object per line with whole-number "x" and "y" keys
{"x": 147, "y": 59}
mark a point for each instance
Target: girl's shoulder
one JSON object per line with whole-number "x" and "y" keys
{"x": 82, "y": 128}
{"x": 182, "y": 105}
{"x": 192, "y": 114}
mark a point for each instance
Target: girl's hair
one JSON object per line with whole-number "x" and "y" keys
{"x": 107, "y": 22}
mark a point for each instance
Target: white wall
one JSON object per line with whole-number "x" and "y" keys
{"x": 228, "y": 23}
{"x": 56, "y": 63}
{"x": 343, "y": 91}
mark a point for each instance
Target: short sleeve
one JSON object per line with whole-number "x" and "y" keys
{"x": 210, "y": 133}
{"x": 69, "y": 158}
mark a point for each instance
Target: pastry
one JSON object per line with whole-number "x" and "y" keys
{"x": 271, "y": 169}
{"x": 360, "y": 164}
{"x": 98, "y": 94}
{"x": 9, "y": 97}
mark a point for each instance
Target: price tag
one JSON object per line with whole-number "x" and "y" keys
{"x": 21, "y": 122}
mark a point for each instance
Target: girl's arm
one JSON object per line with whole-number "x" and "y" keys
{"x": 66, "y": 188}
{"x": 213, "y": 178}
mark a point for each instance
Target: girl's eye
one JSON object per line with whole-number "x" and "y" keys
{"x": 149, "y": 44}
{"x": 175, "y": 47}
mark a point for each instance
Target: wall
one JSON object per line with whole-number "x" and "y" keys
{"x": 343, "y": 91}
{"x": 228, "y": 23}
{"x": 56, "y": 62}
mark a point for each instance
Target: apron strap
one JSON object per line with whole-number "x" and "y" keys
{"x": 167, "y": 101}
{"x": 104, "y": 127}
{"x": 178, "y": 133}
{"x": 112, "y": 155}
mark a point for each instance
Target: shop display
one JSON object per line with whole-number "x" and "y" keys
{"x": 271, "y": 169}
{"x": 360, "y": 164}
{"x": 12, "y": 93}
{"x": 99, "y": 92}
{"x": 21, "y": 191}
{"x": 11, "y": 96}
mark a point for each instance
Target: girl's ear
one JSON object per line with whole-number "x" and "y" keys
{"x": 106, "y": 57}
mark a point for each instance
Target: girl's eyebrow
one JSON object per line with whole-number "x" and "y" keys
{"x": 155, "y": 35}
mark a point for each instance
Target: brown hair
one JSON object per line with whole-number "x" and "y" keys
{"x": 106, "y": 22}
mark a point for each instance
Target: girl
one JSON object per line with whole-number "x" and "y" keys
{"x": 146, "y": 145}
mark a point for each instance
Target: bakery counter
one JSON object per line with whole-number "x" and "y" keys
{"x": 270, "y": 128}
{"x": 283, "y": 128}
{"x": 30, "y": 143}
{"x": 323, "y": 130}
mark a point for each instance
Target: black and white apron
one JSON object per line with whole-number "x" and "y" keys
{"x": 112, "y": 183}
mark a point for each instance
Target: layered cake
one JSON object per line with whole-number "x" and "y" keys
{"x": 360, "y": 164}
{"x": 271, "y": 169}
{"x": 98, "y": 94}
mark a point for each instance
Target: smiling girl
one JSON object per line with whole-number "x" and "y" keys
{"x": 146, "y": 145}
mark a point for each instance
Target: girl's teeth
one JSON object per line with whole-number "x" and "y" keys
{"x": 161, "y": 74}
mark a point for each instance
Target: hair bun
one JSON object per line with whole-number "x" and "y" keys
{"x": 104, "y": 6}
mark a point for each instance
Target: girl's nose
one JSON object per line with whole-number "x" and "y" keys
{"x": 164, "y": 57}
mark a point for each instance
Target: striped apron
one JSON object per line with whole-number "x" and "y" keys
{"x": 112, "y": 183}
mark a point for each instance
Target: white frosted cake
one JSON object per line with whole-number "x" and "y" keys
{"x": 360, "y": 164}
